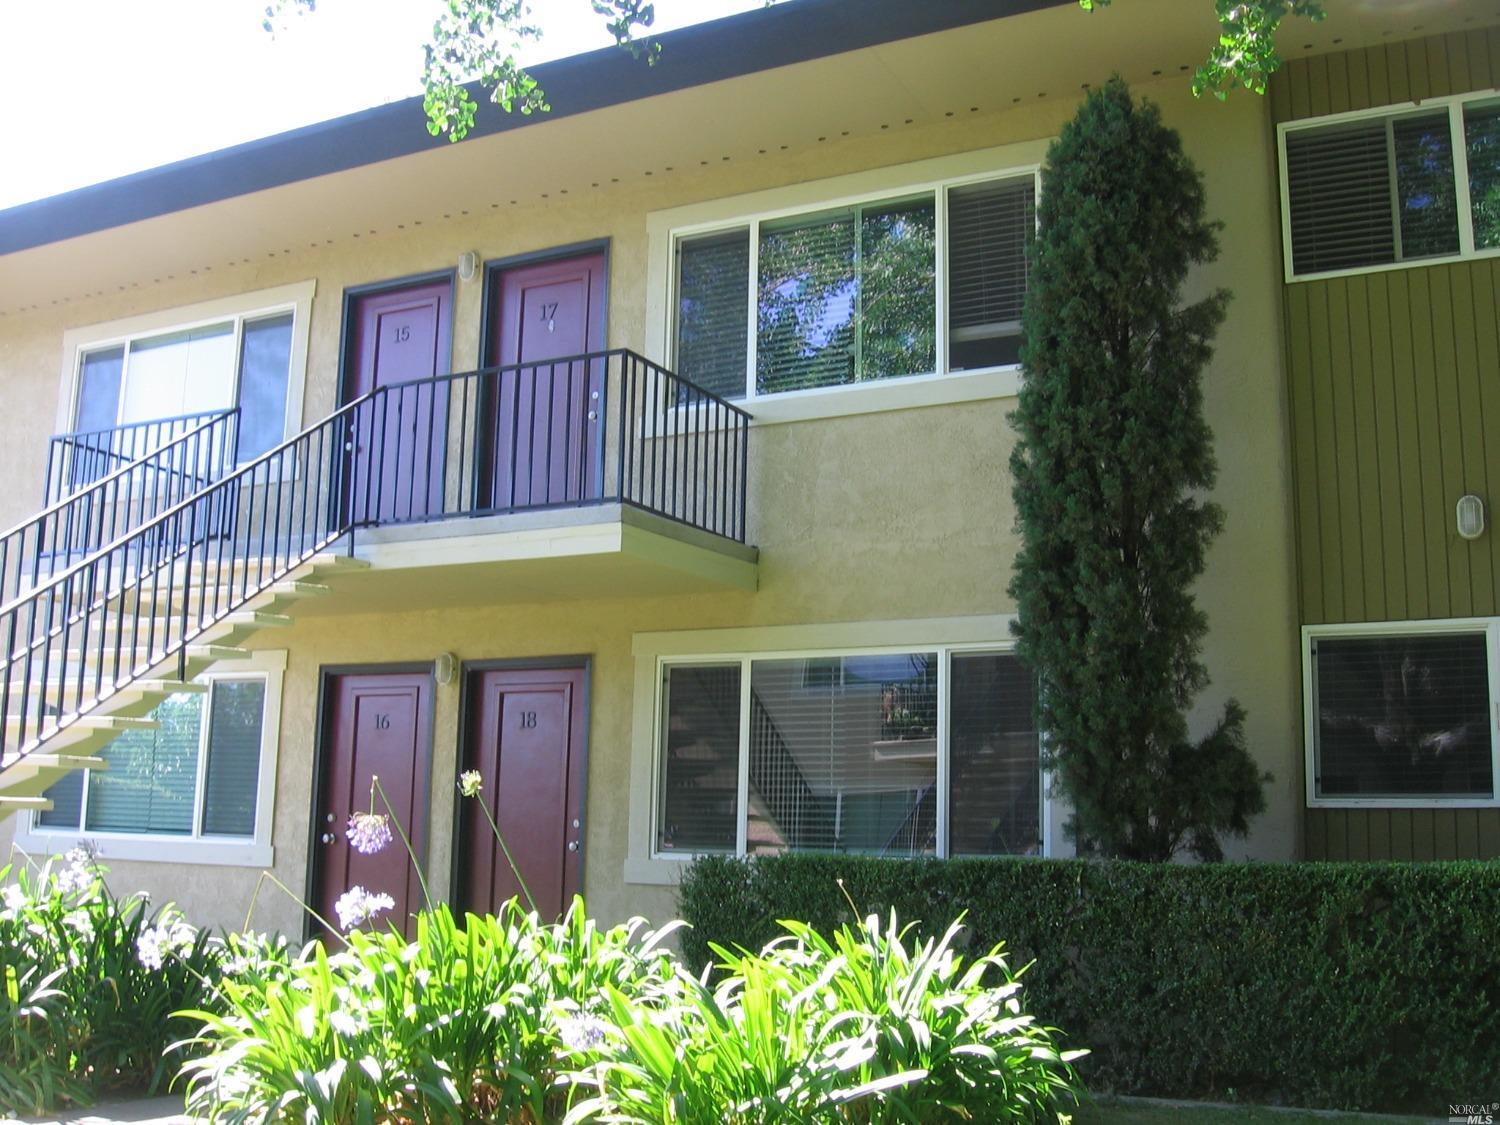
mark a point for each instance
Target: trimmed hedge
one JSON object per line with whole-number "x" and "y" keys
{"x": 1353, "y": 986}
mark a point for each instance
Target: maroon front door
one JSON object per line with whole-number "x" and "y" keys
{"x": 525, "y": 737}
{"x": 377, "y": 725}
{"x": 549, "y": 417}
{"x": 398, "y": 439}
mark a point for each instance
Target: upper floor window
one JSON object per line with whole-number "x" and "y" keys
{"x": 923, "y": 281}
{"x": 1394, "y": 187}
{"x": 1402, "y": 714}
{"x": 245, "y": 351}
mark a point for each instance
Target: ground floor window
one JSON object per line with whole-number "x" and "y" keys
{"x": 1402, "y": 713}
{"x": 907, "y": 753}
{"x": 197, "y": 788}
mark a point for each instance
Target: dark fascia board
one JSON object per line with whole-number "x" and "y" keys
{"x": 792, "y": 32}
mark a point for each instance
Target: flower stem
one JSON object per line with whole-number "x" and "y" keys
{"x": 327, "y": 925}
{"x": 416, "y": 864}
{"x": 495, "y": 828}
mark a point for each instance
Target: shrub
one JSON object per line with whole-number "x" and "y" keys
{"x": 81, "y": 1012}
{"x": 512, "y": 1019}
{"x": 464, "y": 1023}
{"x": 1341, "y": 985}
{"x": 853, "y": 1029}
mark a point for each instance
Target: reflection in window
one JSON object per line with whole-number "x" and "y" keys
{"x": 1423, "y": 149}
{"x": 994, "y": 769}
{"x": 844, "y": 761}
{"x": 699, "y": 781}
{"x": 1482, "y": 143}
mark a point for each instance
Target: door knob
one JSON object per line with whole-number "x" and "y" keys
{"x": 328, "y": 837}
{"x": 572, "y": 845}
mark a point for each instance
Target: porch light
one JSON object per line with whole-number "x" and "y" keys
{"x": 468, "y": 265}
{"x": 444, "y": 667}
{"x": 1470, "y": 516}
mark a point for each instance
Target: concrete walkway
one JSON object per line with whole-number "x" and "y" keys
{"x": 141, "y": 1111}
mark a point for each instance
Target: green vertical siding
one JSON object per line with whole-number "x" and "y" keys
{"x": 1394, "y": 405}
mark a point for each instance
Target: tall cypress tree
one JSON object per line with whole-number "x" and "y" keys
{"x": 1113, "y": 460}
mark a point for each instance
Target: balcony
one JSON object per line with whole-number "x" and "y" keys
{"x": 595, "y": 474}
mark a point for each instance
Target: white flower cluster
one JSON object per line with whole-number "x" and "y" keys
{"x": 358, "y": 905}
{"x": 171, "y": 936}
{"x": 13, "y": 900}
{"x": 78, "y": 876}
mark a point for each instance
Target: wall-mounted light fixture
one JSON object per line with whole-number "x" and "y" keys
{"x": 1470, "y": 514}
{"x": 444, "y": 667}
{"x": 468, "y": 265}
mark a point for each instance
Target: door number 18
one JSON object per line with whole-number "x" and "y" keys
{"x": 528, "y": 720}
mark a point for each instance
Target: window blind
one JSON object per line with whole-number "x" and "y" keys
{"x": 994, "y": 774}
{"x": 699, "y": 795}
{"x": 1403, "y": 716}
{"x": 66, "y": 795}
{"x": 231, "y": 780}
{"x": 988, "y": 225}
{"x": 1339, "y": 193}
{"x": 152, "y": 776}
{"x": 844, "y": 761}
{"x": 898, "y": 290}
{"x": 713, "y": 291}
{"x": 807, "y": 293}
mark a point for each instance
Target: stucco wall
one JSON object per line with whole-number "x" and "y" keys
{"x": 881, "y": 516}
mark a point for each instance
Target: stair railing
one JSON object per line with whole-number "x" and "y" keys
{"x": 76, "y": 460}
{"x": 135, "y": 492}
{"x": 604, "y": 427}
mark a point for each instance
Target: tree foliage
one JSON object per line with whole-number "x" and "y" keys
{"x": 1113, "y": 458}
{"x": 478, "y": 41}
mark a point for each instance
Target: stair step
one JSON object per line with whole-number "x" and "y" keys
{"x": 118, "y": 724}
{"x": 38, "y": 760}
{"x": 107, "y": 691}
{"x": 21, "y": 804}
{"x": 141, "y": 654}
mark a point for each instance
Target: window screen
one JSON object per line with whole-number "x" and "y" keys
{"x": 994, "y": 775}
{"x": 713, "y": 291}
{"x": 844, "y": 759}
{"x": 265, "y": 358}
{"x": 988, "y": 225}
{"x": 231, "y": 781}
{"x": 1482, "y": 145}
{"x": 1402, "y": 716}
{"x": 698, "y": 800}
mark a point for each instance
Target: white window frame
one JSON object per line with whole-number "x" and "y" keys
{"x": 268, "y": 666}
{"x": 666, "y": 229}
{"x": 1489, "y": 626}
{"x": 1455, "y": 104}
{"x": 295, "y": 299}
{"x": 655, "y": 652}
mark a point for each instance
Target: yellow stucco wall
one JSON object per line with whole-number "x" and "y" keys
{"x": 882, "y": 516}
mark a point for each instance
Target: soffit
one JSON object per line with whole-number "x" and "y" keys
{"x": 979, "y": 69}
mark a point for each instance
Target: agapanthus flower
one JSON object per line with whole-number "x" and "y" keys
{"x": 357, "y": 905}
{"x": 13, "y": 898}
{"x": 369, "y": 832}
{"x": 77, "y": 876}
{"x": 582, "y": 1033}
{"x": 170, "y": 936}
{"x": 81, "y": 923}
{"x": 470, "y": 782}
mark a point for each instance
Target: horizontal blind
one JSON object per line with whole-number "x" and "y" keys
{"x": 713, "y": 294}
{"x": 1482, "y": 145}
{"x": 66, "y": 795}
{"x": 698, "y": 801}
{"x": 987, "y": 229}
{"x": 1426, "y": 196}
{"x": 152, "y": 775}
{"x": 843, "y": 754}
{"x": 994, "y": 774}
{"x": 806, "y": 304}
{"x": 1403, "y": 716}
{"x": 1339, "y": 194}
{"x": 232, "y": 774}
